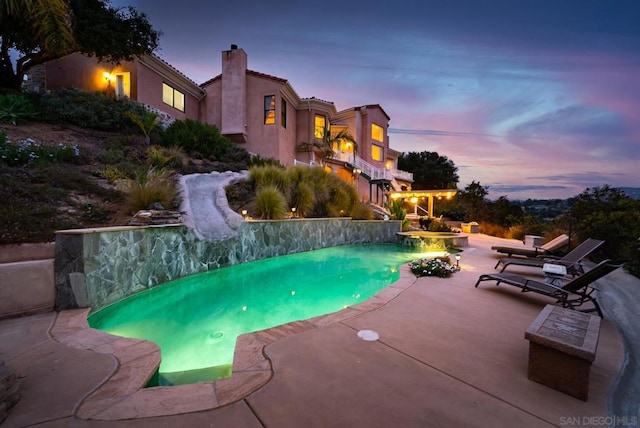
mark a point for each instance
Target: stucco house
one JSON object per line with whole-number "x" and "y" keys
{"x": 259, "y": 112}
{"x": 148, "y": 80}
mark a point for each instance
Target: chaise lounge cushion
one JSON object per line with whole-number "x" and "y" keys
{"x": 550, "y": 247}
{"x": 572, "y": 260}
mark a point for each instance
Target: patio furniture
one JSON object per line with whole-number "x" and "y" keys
{"x": 545, "y": 249}
{"x": 572, "y": 294}
{"x": 572, "y": 260}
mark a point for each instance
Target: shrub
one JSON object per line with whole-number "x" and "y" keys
{"x": 96, "y": 110}
{"x": 270, "y": 203}
{"x": 494, "y": 230}
{"x": 341, "y": 201}
{"x": 311, "y": 190}
{"x": 16, "y": 108}
{"x": 151, "y": 186}
{"x": 361, "y": 211}
{"x": 146, "y": 120}
{"x": 238, "y": 155}
{"x": 439, "y": 226}
{"x": 30, "y": 152}
{"x": 159, "y": 157}
{"x": 194, "y": 136}
{"x": 121, "y": 150}
{"x": 303, "y": 198}
{"x": 257, "y": 160}
{"x": 234, "y": 159}
{"x": 113, "y": 174}
{"x": 396, "y": 208}
{"x": 156, "y": 157}
{"x": 318, "y": 179}
{"x": 94, "y": 213}
{"x": 264, "y": 176}
{"x": 317, "y": 193}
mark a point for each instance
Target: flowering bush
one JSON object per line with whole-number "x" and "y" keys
{"x": 29, "y": 151}
{"x": 439, "y": 266}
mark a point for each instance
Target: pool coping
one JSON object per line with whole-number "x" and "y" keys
{"x": 122, "y": 393}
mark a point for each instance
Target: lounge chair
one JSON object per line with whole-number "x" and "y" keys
{"x": 549, "y": 248}
{"x": 572, "y": 294}
{"x": 572, "y": 260}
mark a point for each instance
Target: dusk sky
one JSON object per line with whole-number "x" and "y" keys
{"x": 532, "y": 98}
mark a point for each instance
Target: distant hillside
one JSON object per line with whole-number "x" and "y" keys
{"x": 634, "y": 192}
{"x": 548, "y": 209}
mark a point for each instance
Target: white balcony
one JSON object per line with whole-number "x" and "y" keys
{"x": 374, "y": 173}
{"x": 381, "y": 173}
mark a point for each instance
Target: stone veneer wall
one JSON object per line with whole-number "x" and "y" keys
{"x": 97, "y": 267}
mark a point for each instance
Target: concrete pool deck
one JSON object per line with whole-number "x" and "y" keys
{"x": 449, "y": 354}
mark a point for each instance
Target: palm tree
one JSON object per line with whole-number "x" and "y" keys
{"x": 147, "y": 121}
{"x": 48, "y": 23}
{"x": 326, "y": 144}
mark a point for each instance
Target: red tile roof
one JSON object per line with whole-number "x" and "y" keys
{"x": 254, "y": 73}
{"x": 317, "y": 99}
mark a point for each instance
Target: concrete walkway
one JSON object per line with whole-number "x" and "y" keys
{"x": 448, "y": 355}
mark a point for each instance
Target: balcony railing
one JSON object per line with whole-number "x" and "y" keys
{"x": 380, "y": 173}
{"x": 374, "y": 173}
{"x": 403, "y": 175}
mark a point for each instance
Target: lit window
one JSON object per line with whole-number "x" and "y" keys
{"x": 173, "y": 97}
{"x": 269, "y": 109}
{"x": 283, "y": 113}
{"x": 167, "y": 94}
{"x": 345, "y": 146}
{"x": 178, "y": 100}
{"x": 376, "y": 153}
{"x": 377, "y": 133}
{"x": 320, "y": 126}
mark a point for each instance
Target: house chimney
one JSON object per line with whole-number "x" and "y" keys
{"x": 234, "y": 92}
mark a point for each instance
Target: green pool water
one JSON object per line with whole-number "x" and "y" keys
{"x": 195, "y": 320}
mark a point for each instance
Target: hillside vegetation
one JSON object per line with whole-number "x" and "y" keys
{"x": 74, "y": 159}
{"x": 63, "y": 165}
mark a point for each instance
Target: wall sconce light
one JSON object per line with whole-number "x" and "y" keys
{"x": 244, "y": 214}
{"x": 457, "y": 261}
{"x": 107, "y": 76}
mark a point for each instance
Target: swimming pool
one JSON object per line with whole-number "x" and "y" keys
{"x": 195, "y": 320}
